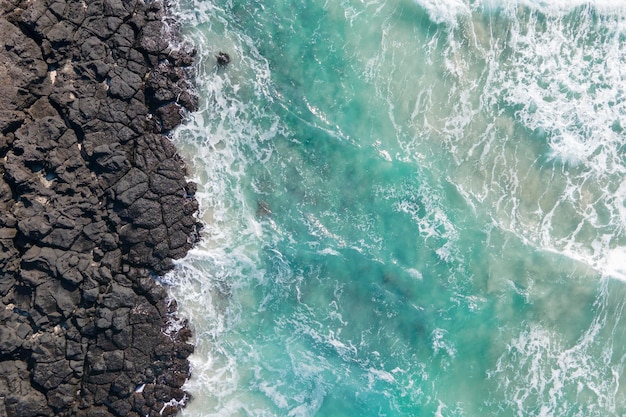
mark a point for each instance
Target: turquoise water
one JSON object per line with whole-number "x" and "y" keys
{"x": 413, "y": 208}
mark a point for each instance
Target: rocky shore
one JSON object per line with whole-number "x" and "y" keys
{"x": 93, "y": 204}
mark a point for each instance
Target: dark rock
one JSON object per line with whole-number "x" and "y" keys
{"x": 34, "y": 227}
{"x": 51, "y": 375}
{"x": 124, "y": 84}
{"x": 104, "y": 318}
{"x": 145, "y": 213}
{"x": 119, "y": 296}
{"x": 223, "y": 59}
{"x": 92, "y": 201}
{"x": 10, "y": 120}
{"x": 9, "y": 340}
{"x": 42, "y": 259}
{"x": 151, "y": 39}
{"x": 62, "y": 397}
{"x": 20, "y": 69}
{"x": 131, "y": 187}
{"x": 170, "y": 116}
{"x": 74, "y": 350}
{"x": 61, "y": 238}
{"x": 68, "y": 266}
{"x": 61, "y": 33}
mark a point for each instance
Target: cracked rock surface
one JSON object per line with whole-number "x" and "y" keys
{"x": 93, "y": 203}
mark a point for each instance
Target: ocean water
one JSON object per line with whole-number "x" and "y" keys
{"x": 413, "y": 208}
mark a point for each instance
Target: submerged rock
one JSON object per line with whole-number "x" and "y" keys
{"x": 263, "y": 209}
{"x": 223, "y": 59}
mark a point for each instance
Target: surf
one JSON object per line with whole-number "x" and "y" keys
{"x": 412, "y": 208}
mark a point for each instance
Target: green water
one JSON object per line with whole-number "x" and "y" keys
{"x": 412, "y": 208}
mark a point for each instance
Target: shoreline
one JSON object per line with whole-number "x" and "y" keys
{"x": 94, "y": 202}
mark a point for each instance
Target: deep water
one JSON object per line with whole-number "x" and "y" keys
{"x": 413, "y": 208}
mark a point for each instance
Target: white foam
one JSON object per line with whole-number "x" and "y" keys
{"x": 220, "y": 278}
{"x": 377, "y": 375}
{"x": 539, "y": 372}
{"x": 415, "y": 273}
{"x": 615, "y": 263}
{"x": 423, "y": 203}
{"x": 329, "y": 251}
{"x": 318, "y": 229}
{"x": 450, "y": 11}
{"x": 174, "y": 403}
{"x": 441, "y": 343}
{"x": 568, "y": 86}
{"x": 563, "y": 77}
{"x": 560, "y": 7}
{"x": 445, "y": 11}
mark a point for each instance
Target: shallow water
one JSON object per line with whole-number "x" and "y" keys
{"x": 414, "y": 208}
